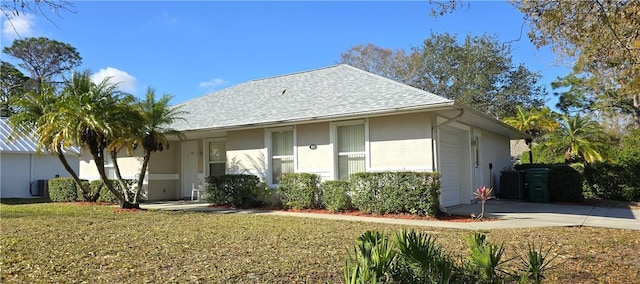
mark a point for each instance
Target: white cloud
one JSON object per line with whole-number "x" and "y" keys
{"x": 215, "y": 82}
{"x": 126, "y": 82}
{"x": 18, "y": 26}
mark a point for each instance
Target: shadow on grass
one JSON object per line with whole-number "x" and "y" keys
{"x": 18, "y": 201}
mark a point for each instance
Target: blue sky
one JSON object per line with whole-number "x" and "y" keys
{"x": 189, "y": 49}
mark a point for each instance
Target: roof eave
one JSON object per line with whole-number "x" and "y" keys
{"x": 342, "y": 116}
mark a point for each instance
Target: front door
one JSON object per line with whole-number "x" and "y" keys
{"x": 189, "y": 167}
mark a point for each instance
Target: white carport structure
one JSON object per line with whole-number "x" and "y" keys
{"x": 23, "y": 168}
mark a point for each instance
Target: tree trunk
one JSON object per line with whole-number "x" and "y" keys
{"x": 65, "y": 164}
{"x": 97, "y": 149}
{"x": 529, "y": 143}
{"x": 129, "y": 205}
{"x": 143, "y": 172}
{"x": 636, "y": 110}
{"x": 123, "y": 185}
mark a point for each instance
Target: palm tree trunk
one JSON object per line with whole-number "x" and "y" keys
{"x": 636, "y": 109}
{"x": 143, "y": 172}
{"x": 97, "y": 150}
{"x": 123, "y": 185}
{"x": 65, "y": 164}
{"x": 529, "y": 143}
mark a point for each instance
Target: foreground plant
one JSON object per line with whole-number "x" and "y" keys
{"x": 484, "y": 258}
{"x": 372, "y": 259}
{"x": 535, "y": 264}
{"x": 484, "y": 194}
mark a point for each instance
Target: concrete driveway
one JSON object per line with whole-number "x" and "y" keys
{"x": 510, "y": 214}
{"x": 525, "y": 214}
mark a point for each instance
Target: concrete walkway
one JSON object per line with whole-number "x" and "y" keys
{"x": 511, "y": 214}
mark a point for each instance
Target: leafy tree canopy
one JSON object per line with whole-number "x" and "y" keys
{"x": 44, "y": 58}
{"x": 602, "y": 36}
{"x": 477, "y": 71}
{"x": 12, "y": 86}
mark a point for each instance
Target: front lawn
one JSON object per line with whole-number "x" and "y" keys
{"x": 45, "y": 243}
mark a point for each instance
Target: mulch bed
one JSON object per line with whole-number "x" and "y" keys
{"x": 441, "y": 217}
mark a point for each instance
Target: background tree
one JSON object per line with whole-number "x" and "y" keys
{"x": 535, "y": 122}
{"x": 602, "y": 36}
{"x": 580, "y": 139}
{"x": 577, "y": 98}
{"x": 478, "y": 72}
{"x": 389, "y": 63}
{"x": 12, "y": 87}
{"x": 43, "y": 58}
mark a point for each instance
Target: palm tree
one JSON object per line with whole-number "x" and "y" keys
{"x": 533, "y": 122}
{"x": 578, "y": 138}
{"x": 93, "y": 116}
{"x": 157, "y": 116}
{"x": 50, "y": 136}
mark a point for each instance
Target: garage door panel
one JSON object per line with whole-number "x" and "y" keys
{"x": 450, "y": 167}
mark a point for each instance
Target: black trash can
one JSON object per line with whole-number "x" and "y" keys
{"x": 537, "y": 184}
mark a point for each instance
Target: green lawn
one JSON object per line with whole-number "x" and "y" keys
{"x": 45, "y": 243}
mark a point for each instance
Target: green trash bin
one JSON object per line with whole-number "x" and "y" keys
{"x": 538, "y": 184}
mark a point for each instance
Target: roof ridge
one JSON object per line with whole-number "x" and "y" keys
{"x": 295, "y": 73}
{"x": 406, "y": 86}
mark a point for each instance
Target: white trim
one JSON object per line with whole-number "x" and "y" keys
{"x": 403, "y": 169}
{"x": 205, "y": 154}
{"x": 162, "y": 176}
{"x": 267, "y": 152}
{"x": 333, "y": 135}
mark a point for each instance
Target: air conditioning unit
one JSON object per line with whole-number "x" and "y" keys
{"x": 43, "y": 188}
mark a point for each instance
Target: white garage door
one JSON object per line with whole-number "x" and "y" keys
{"x": 450, "y": 190}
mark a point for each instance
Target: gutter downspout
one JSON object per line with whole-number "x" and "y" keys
{"x": 433, "y": 140}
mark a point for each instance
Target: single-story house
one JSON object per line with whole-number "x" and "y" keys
{"x": 332, "y": 121}
{"x": 24, "y": 169}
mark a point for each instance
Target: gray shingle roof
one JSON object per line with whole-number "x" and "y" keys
{"x": 335, "y": 91}
{"x": 21, "y": 141}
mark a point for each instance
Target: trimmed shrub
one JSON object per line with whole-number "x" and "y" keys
{"x": 63, "y": 189}
{"x": 90, "y": 195}
{"x": 106, "y": 195}
{"x": 300, "y": 190}
{"x": 565, "y": 184}
{"x": 240, "y": 191}
{"x": 524, "y": 167}
{"x": 613, "y": 181}
{"x": 396, "y": 192}
{"x": 335, "y": 195}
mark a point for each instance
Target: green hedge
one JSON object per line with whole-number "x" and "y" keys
{"x": 300, "y": 190}
{"x": 524, "y": 167}
{"x": 396, "y": 192}
{"x": 614, "y": 181}
{"x": 63, "y": 189}
{"x": 106, "y": 195}
{"x": 335, "y": 195}
{"x": 565, "y": 184}
{"x": 240, "y": 191}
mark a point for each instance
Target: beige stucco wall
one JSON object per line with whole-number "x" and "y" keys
{"x": 313, "y": 161}
{"x": 245, "y": 152}
{"x": 164, "y": 170}
{"x": 129, "y": 165}
{"x": 495, "y": 150}
{"x": 400, "y": 142}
